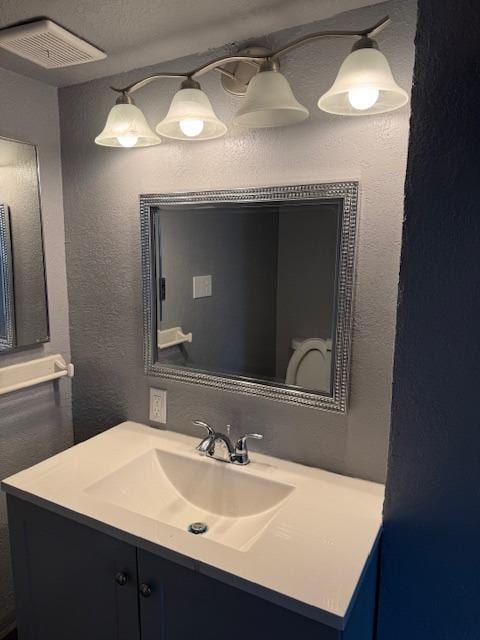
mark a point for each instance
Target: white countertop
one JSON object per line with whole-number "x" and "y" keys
{"x": 310, "y": 557}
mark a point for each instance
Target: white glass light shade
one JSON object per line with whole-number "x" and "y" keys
{"x": 126, "y": 127}
{"x": 191, "y": 117}
{"x": 364, "y": 85}
{"x": 269, "y": 102}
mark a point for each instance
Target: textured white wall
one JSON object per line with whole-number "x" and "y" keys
{"x": 101, "y": 189}
{"x": 36, "y": 423}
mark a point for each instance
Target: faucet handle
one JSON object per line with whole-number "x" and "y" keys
{"x": 205, "y": 444}
{"x": 242, "y": 449}
{"x": 205, "y": 425}
{"x": 242, "y": 442}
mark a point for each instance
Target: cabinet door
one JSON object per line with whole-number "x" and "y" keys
{"x": 66, "y": 581}
{"x": 181, "y": 604}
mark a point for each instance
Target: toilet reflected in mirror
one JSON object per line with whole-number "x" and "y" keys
{"x": 311, "y": 363}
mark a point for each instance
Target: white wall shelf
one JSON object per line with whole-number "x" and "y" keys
{"x": 33, "y": 372}
{"x": 171, "y": 337}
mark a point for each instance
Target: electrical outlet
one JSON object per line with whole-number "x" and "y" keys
{"x": 158, "y": 405}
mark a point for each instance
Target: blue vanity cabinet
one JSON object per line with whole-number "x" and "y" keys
{"x": 185, "y": 604}
{"x": 73, "y": 582}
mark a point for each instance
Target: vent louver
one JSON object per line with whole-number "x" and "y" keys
{"x": 48, "y": 45}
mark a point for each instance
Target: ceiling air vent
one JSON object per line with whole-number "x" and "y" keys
{"x": 48, "y": 45}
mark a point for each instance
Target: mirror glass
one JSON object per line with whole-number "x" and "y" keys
{"x": 252, "y": 292}
{"x": 251, "y": 284}
{"x": 23, "y": 293}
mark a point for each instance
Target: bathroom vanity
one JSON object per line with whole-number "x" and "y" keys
{"x": 102, "y": 549}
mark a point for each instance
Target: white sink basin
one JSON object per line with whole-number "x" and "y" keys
{"x": 179, "y": 490}
{"x": 296, "y": 536}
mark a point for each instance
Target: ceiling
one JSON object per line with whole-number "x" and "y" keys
{"x": 139, "y": 33}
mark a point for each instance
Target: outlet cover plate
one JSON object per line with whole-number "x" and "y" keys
{"x": 158, "y": 406}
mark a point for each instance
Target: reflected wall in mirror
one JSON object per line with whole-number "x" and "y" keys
{"x": 251, "y": 290}
{"x": 23, "y": 292}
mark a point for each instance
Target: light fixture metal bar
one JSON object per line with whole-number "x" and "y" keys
{"x": 256, "y": 60}
{"x": 209, "y": 66}
{"x": 377, "y": 28}
{"x": 143, "y": 83}
{"x": 226, "y": 73}
{"x": 373, "y": 30}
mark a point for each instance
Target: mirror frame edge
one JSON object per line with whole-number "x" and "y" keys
{"x": 346, "y": 191}
{"x": 7, "y": 343}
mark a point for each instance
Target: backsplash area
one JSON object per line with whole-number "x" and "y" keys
{"x": 101, "y": 199}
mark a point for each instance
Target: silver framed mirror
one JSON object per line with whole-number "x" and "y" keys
{"x": 24, "y": 308}
{"x": 270, "y": 246}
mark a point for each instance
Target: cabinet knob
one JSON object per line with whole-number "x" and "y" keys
{"x": 121, "y": 578}
{"x": 145, "y": 590}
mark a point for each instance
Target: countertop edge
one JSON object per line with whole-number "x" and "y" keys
{"x": 370, "y": 558}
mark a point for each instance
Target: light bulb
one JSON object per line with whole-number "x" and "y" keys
{"x": 128, "y": 139}
{"x": 191, "y": 127}
{"x": 363, "y": 98}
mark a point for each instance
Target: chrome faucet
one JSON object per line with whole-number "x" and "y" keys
{"x": 236, "y": 454}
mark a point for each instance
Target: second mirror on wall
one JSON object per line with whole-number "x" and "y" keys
{"x": 23, "y": 291}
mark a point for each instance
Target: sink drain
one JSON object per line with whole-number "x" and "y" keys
{"x": 197, "y": 528}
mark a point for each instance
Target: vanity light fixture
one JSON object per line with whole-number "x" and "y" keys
{"x": 191, "y": 116}
{"x": 126, "y": 126}
{"x": 269, "y": 101}
{"x": 364, "y": 85}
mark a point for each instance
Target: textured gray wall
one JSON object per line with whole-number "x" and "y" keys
{"x": 101, "y": 189}
{"x": 234, "y": 328}
{"x": 35, "y": 423}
